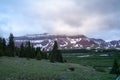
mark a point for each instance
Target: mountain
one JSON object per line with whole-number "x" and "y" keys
{"x": 66, "y": 42}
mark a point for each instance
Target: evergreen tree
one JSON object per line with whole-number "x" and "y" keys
{"x": 17, "y": 51}
{"x": 44, "y": 54}
{"x": 4, "y": 45}
{"x": 55, "y": 46}
{"x": 27, "y": 49}
{"x": 115, "y": 68}
{"x": 11, "y": 46}
{"x": 1, "y": 48}
{"x": 51, "y": 57}
{"x": 22, "y": 51}
{"x": 38, "y": 53}
{"x": 59, "y": 57}
{"x": 38, "y": 57}
{"x": 1, "y": 53}
{"x": 32, "y": 52}
{"x": 56, "y": 55}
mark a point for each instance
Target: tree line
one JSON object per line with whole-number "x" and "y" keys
{"x": 27, "y": 50}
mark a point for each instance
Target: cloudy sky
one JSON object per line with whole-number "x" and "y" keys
{"x": 93, "y": 18}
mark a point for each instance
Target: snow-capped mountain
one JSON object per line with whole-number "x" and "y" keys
{"x": 66, "y": 42}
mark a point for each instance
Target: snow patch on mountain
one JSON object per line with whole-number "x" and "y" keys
{"x": 66, "y": 42}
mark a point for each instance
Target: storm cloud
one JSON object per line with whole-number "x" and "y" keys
{"x": 94, "y": 18}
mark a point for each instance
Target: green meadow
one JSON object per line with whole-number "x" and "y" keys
{"x": 14, "y": 68}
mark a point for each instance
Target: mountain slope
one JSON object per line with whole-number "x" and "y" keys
{"x": 66, "y": 42}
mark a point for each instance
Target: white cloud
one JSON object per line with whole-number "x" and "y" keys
{"x": 56, "y": 14}
{"x": 62, "y": 17}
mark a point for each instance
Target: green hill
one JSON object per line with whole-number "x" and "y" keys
{"x": 31, "y": 69}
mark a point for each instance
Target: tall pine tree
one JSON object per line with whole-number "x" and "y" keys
{"x": 11, "y": 46}
{"x": 44, "y": 54}
{"x": 56, "y": 55}
{"x": 4, "y": 46}
{"x": 22, "y": 51}
{"x": 32, "y": 52}
{"x": 29, "y": 50}
{"x": 38, "y": 53}
{"x": 1, "y": 47}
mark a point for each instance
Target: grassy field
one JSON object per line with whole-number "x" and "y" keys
{"x": 91, "y": 61}
{"x": 100, "y": 63}
{"x": 24, "y": 69}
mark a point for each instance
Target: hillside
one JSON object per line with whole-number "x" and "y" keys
{"x": 24, "y": 69}
{"x": 67, "y": 42}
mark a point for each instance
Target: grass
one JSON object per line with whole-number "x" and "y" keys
{"x": 23, "y": 69}
{"x": 90, "y": 61}
{"x": 99, "y": 63}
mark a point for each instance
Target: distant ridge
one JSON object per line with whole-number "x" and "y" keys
{"x": 66, "y": 41}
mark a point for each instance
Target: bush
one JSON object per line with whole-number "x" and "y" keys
{"x": 71, "y": 69}
{"x": 115, "y": 68}
{"x": 99, "y": 69}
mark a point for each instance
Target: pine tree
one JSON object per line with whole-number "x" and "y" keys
{"x": 55, "y": 46}
{"x": 27, "y": 49}
{"x": 59, "y": 56}
{"x": 56, "y": 55}
{"x": 22, "y": 51}
{"x": 51, "y": 57}
{"x": 38, "y": 57}
{"x": 4, "y": 46}
{"x": 38, "y": 53}
{"x": 11, "y": 46}
{"x": 44, "y": 54}
{"x": 32, "y": 52}
{"x": 1, "y": 48}
{"x": 115, "y": 68}
{"x": 17, "y": 51}
{"x": 38, "y": 49}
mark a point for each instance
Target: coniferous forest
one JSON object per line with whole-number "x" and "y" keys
{"x": 28, "y": 51}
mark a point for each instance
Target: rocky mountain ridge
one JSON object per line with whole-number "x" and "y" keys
{"x": 66, "y": 42}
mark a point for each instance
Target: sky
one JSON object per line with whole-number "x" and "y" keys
{"x": 93, "y": 18}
